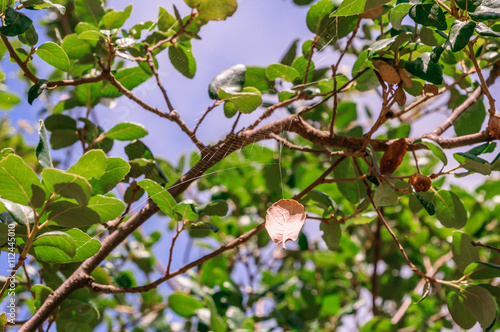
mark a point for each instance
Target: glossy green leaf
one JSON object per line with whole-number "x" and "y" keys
{"x": 30, "y": 37}
{"x": 435, "y": 148}
{"x": 166, "y": 21}
{"x": 41, "y": 293}
{"x": 470, "y": 122}
{"x": 488, "y": 10}
{"x": 67, "y": 214}
{"x": 20, "y": 213}
{"x": 482, "y": 305}
{"x": 159, "y": 195}
{"x": 485, "y": 31}
{"x": 230, "y": 80}
{"x": 428, "y": 205}
{"x": 318, "y": 16}
{"x": 182, "y": 59}
{"x": 425, "y": 69}
{"x": 186, "y": 210}
{"x": 5, "y": 152}
{"x": 398, "y": 13}
{"x": 473, "y": 163}
{"x": 90, "y": 165}
{"x": 229, "y": 109}
{"x": 183, "y": 304}
{"x": 54, "y": 55}
{"x": 460, "y": 34}
{"x": 67, "y": 185}
{"x": 429, "y": 15}
{"x": 214, "y": 10}
{"x": 281, "y": 71}
{"x": 35, "y": 90}
{"x": 332, "y": 235}
{"x": 43, "y": 149}
{"x": 468, "y": 5}
{"x": 482, "y": 270}
{"x": 460, "y": 314}
{"x": 450, "y": 209}
{"x": 355, "y": 7}
{"x": 214, "y": 208}
{"x": 115, "y": 170}
{"x": 126, "y": 131}
{"x": 115, "y": 19}
{"x": 108, "y": 208}
{"x": 89, "y": 94}
{"x": 20, "y": 184}
{"x": 40, "y": 4}
{"x": 55, "y": 239}
{"x": 385, "y": 196}
{"x": 245, "y": 101}
{"x": 16, "y": 23}
{"x": 90, "y": 11}
{"x": 464, "y": 253}
{"x": 129, "y": 78}
{"x": 74, "y": 47}
{"x": 91, "y": 35}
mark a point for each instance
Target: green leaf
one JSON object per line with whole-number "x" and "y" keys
{"x": 290, "y": 54}
{"x": 166, "y": 21}
{"x": 55, "y": 239}
{"x": 425, "y": 69}
{"x": 16, "y": 23}
{"x": 464, "y": 253}
{"x": 30, "y": 37}
{"x": 458, "y": 311}
{"x": 8, "y": 100}
{"x": 115, "y": 19}
{"x": 40, "y": 4}
{"x": 41, "y": 293}
{"x": 92, "y": 35}
{"x": 355, "y": 7}
{"x": 126, "y": 131}
{"x": 60, "y": 121}
{"x": 488, "y": 10}
{"x": 129, "y": 78}
{"x": 67, "y": 214}
{"x": 183, "y": 304}
{"x": 182, "y": 59}
{"x": 471, "y": 121}
{"x": 20, "y": 213}
{"x": 229, "y": 109}
{"x": 332, "y": 235}
{"x": 20, "y": 184}
{"x": 35, "y": 90}
{"x": 353, "y": 191}
{"x": 397, "y": 14}
{"x": 230, "y": 80}
{"x": 90, "y": 11}
{"x": 427, "y": 204}
{"x": 74, "y": 47}
{"x": 435, "y": 148}
{"x": 214, "y": 10}
{"x": 323, "y": 201}
{"x": 5, "y": 3}
{"x": 429, "y": 15}
{"x": 385, "y": 196}
{"x": 5, "y": 152}
{"x": 214, "y": 208}
{"x": 460, "y": 34}
{"x": 469, "y": 5}
{"x": 90, "y": 165}
{"x": 67, "y": 185}
{"x": 318, "y": 16}
{"x": 89, "y": 94}
{"x": 482, "y": 305}
{"x": 108, "y": 208}
{"x": 54, "y": 55}
{"x": 283, "y": 72}
{"x": 450, "y": 209}
{"x": 485, "y": 31}
{"x": 42, "y": 149}
{"x": 480, "y": 270}
{"x": 115, "y": 170}
{"x": 380, "y": 45}
{"x": 186, "y": 210}
{"x": 473, "y": 163}
{"x": 85, "y": 247}
{"x": 62, "y": 138}
{"x": 246, "y": 101}
{"x": 159, "y": 195}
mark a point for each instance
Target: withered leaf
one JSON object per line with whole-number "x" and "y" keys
{"x": 389, "y": 73}
{"x": 400, "y": 96}
{"x": 393, "y": 157}
{"x": 494, "y": 126}
{"x": 284, "y": 220}
{"x": 420, "y": 182}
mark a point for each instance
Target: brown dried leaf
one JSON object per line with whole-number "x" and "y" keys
{"x": 284, "y": 220}
{"x": 430, "y": 88}
{"x": 494, "y": 126}
{"x": 389, "y": 73}
{"x": 372, "y": 13}
{"x": 393, "y": 157}
{"x": 405, "y": 77}
{"x": 400, "y": 96}
{"x": 420, "y": 182}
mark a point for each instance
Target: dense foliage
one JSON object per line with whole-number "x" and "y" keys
{"x": 406, "y": 241}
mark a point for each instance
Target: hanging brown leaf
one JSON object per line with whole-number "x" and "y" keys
{"x": 389, "y": 73}
{"x": 284, "y": 220}
{"x": 372, "y": 13}
{"x": 405, "y": 77}
{"x": 420, "y": 182}
{"x": 393, "y": 157}
{"x": 494, "y": 126}
{"x": 430, "y": 88}
{"x": 400, "y": 96}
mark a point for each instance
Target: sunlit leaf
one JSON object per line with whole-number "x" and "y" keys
{"x": 284, "y": 220}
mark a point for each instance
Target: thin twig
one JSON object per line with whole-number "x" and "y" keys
{"x": 479, "y": 244}
{"x": 151, "y": 63}
{"x": 481, "y": 78}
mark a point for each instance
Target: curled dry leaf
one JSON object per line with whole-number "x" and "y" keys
{"x": 430, "y": 88}
{"x": 400, "y": 96}
{"x": 393, "y": 157}
{"x": 284, "y": 220}
{"x": 420, "y": 182}
{"x": 388, "y": 73}
{"x": 405, "y": 77}
{"x": 494, "y": 126}
{"x": 372, "y": 13}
